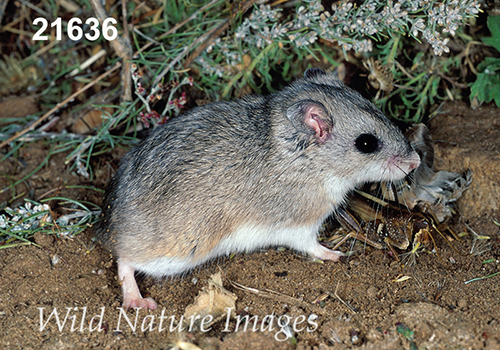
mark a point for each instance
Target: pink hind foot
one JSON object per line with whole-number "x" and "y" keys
{"x": 324, "y": 253}
{"x": 146, "y": 303}
{"x": 132, "y": 297}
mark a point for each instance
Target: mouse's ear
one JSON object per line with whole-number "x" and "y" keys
{"x": 310, "y": 117}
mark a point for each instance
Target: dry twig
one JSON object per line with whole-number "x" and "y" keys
{"x": 270, "y": 294}
{"x": 353, "y": 310}
{"x": 122, "y": 47}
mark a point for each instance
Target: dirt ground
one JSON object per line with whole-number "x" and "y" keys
{"x": 361, "y": 305}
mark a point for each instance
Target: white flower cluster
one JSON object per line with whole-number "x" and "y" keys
{"x": 227, "y": 55}
{"x": 351, "y": 27}
{"x": 27, "y": 217}
{"x": 448, "y": 16}
{"x": 354, "y": 27}
{"x": 209, "y": 67}
{"x": 25, "y": 220}
{"x": 261, "y": 27}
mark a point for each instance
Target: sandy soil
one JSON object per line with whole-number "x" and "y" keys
{"x": 363, "y": 306}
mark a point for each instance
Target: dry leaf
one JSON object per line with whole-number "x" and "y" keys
{"x": 90, "y": 120}
{"x": 213, "y": 300}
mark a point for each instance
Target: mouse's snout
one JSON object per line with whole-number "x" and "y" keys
{"x": 414, "y": 161}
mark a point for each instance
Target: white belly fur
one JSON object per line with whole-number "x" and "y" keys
{"x": 246, "y": 239}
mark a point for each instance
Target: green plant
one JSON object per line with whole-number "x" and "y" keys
{"x": 486, "y": 88}
{"x": 17, "y": 226}
{"x": 419, "y": 81}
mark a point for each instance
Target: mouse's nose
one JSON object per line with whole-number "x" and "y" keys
{"x": 414, "y": 161}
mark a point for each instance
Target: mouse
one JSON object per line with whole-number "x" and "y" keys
{"x": 236, "y": 176}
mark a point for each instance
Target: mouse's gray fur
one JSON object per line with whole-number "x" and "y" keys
{"x": 235, "y": 176}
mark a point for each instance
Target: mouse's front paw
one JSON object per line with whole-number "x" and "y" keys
{"x": 147, "y": 303}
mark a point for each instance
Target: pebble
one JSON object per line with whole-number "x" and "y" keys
{"x": 462, "y": 303}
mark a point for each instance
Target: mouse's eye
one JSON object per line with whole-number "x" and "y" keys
{"x": 367, "y": 143}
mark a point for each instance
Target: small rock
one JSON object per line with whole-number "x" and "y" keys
{"x": 462, "y": 303}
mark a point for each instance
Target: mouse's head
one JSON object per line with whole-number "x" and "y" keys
{"x": 342, "y": 133}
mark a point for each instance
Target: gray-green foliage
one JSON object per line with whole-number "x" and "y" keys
{"x": 18, "y": 225}
{"x": 262, "y": 39}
